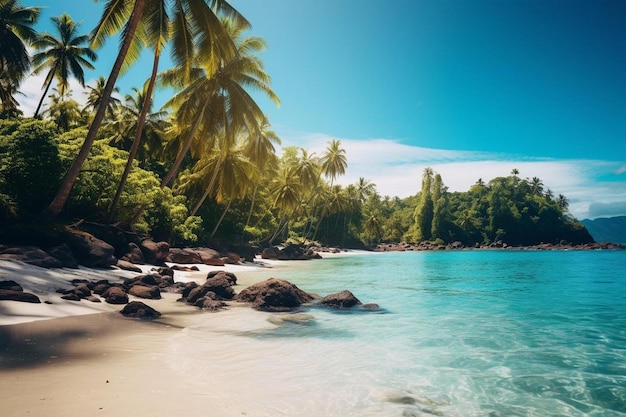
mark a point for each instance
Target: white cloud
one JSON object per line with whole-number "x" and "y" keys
{"x": 32, "y": 90}
{"x": 396, "y": 169}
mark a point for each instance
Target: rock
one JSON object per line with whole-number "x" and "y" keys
{"x": 143, "y": 291}
{"x": 164, "y": 271}
{"x": 145, "y": 279}
{"x": 269, "y": 253}
{"x": 134, "y": 254}
{"x": 71, "y": 296}
{"x": 101, "y": 286}
{"x": 197, "y": 293}
{"x": 274, "y": 295}
{"x": 31, "y": 255}
{"x": 185, "y": 268}
{"x": 340, "y": 300}
{"x": 155, "y": 253}
{"x": 183, "y": 256}
{"x": 82, "y": 290}
{"x": 209, "y": 256}
{"x": 115, "y": 295}
{"x": 229, "y": 275}
{"x": 139, "y": 310}
{"x": 64, "y": 254}
{"x": 298, "y": 318}
{"x": 221, "y": 285}
{"x": 93, "y": 299}
{"x": 10, "y": 285}
{"x": 127, "y": 266}
{"x": 89, "y": 250}
{"x": 188, "y": 286}
{"x": 21, "y": 296}
{"x": 207, "y": 303}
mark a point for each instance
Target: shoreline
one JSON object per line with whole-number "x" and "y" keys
{"x": 75, "y": 358}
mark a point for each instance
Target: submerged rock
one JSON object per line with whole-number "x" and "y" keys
{"x": 341, "y": 300}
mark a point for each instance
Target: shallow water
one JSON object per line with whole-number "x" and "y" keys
{"x": 471, "y": 333}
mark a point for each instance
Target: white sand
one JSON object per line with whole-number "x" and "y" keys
{"x": 63, "y": 360}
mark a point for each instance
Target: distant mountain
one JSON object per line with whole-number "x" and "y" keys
{"x": 611, "y": 229}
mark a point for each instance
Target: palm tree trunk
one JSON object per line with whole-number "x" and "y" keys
{"x": 221, "y": 219}
{"x": 207, "y": 191}
{"x": 181, "y": 155}
{"x": 256, "y": 189}
{"x": 137, "y": 141}
{"x": 45, "y": 91}
{"x": 63, "y": 193}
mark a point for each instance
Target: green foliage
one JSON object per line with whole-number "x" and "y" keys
{"x": 30, "y": 171}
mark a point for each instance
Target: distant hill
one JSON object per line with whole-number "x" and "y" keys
{"x": 611, "y": 229}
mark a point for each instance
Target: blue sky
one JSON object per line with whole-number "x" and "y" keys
{"x": 472, "y": 88}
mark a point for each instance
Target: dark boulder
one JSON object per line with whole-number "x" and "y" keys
{"x": 10, "y": 285}
{"x": 110, "y": 234}
{"x": 89, "y": 250}
{"x": 340, "y": 300}
{"x": 115, "y": 295}
{"x": 21, "y": 296}
{"x": 142, "y": 291}
{"x": 269, "y": 253}
{"x": 155, "y": 253}
{"x": 64, "y": 254}
{"x": 31, "y": 255}
{"x": 221, "y": 285}
{"x": 127, "y": 266}
{"x": 134, "y": 254}
{"x": 229, "y": 275}
{"x": 183, "y": 256}
{"x": 274, "y": 295}
{"x": 210, "y": 304}
{"x": 185, "y": 268}
{"x": 164, "y": 271}
{"x": 101, "y": 286}
{"x": 140, "y": 310}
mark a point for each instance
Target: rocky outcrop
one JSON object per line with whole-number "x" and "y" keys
{"x": 89, "y": 250}
{"x": 290, "y": 253}
{"x": 115, "y": 295}
{"x": 205, "y": 256}
{"x": 341, "y": 300}
{"x": 140, "y": 310}
{"x": 31, "y": 255}
{"x": 274, "y": 295}
{"x": 134, "y": 254}
{"x": 20, "y": 296}
{"x": 221, "y": 284}
{"x": 64, "y": 254}
{"x": 127, "y": 266}
{"x": 155, "y": 253}
{"x": 142, "y": 291}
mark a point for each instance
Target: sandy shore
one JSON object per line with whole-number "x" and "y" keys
{"x": 81, "y": 358}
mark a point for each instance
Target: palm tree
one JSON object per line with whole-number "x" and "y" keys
{"x": 64, "y": 56}
{"x": 218, "y": 97}
{"x": 111, "y": 7}
{"x": 94, "y": 97}
{"x": 334, "y": 161}
{"x": 16, "y": 32}
{"x": 364, "y": 189}
{"x": 126, "y": 126}
{"x": 195, "y": 27}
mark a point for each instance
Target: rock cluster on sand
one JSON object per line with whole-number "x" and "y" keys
{"x": 11, "y": 290}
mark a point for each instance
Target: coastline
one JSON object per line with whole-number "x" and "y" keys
{"x": 74, "y": 358}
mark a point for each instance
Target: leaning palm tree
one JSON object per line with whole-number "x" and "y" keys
{"x": 63, "y": 56}
{"x": 217, "y": 98}
{"x": 16, "y": 32}
{"x": 200, "y": 33}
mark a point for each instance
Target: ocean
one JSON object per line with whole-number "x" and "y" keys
{"x": 458, "y": 334}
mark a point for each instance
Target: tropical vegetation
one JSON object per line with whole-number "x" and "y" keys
{"x": 207, "y": 166}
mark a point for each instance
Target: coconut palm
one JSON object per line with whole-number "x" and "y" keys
{"x": 218, "y": 98}
{"x": 94, "y": 97}
{"x": 63, "y": 110}
{"x": 196, "y": 27}
{"x": 16, "y": 32}
{"x": 64, "y": 56}
{"x": 334, "y": 161}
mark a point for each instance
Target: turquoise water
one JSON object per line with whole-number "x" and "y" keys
{"x": 469, "y": 333}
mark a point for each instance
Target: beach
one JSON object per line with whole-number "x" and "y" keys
{"x": 73, "y": 358}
